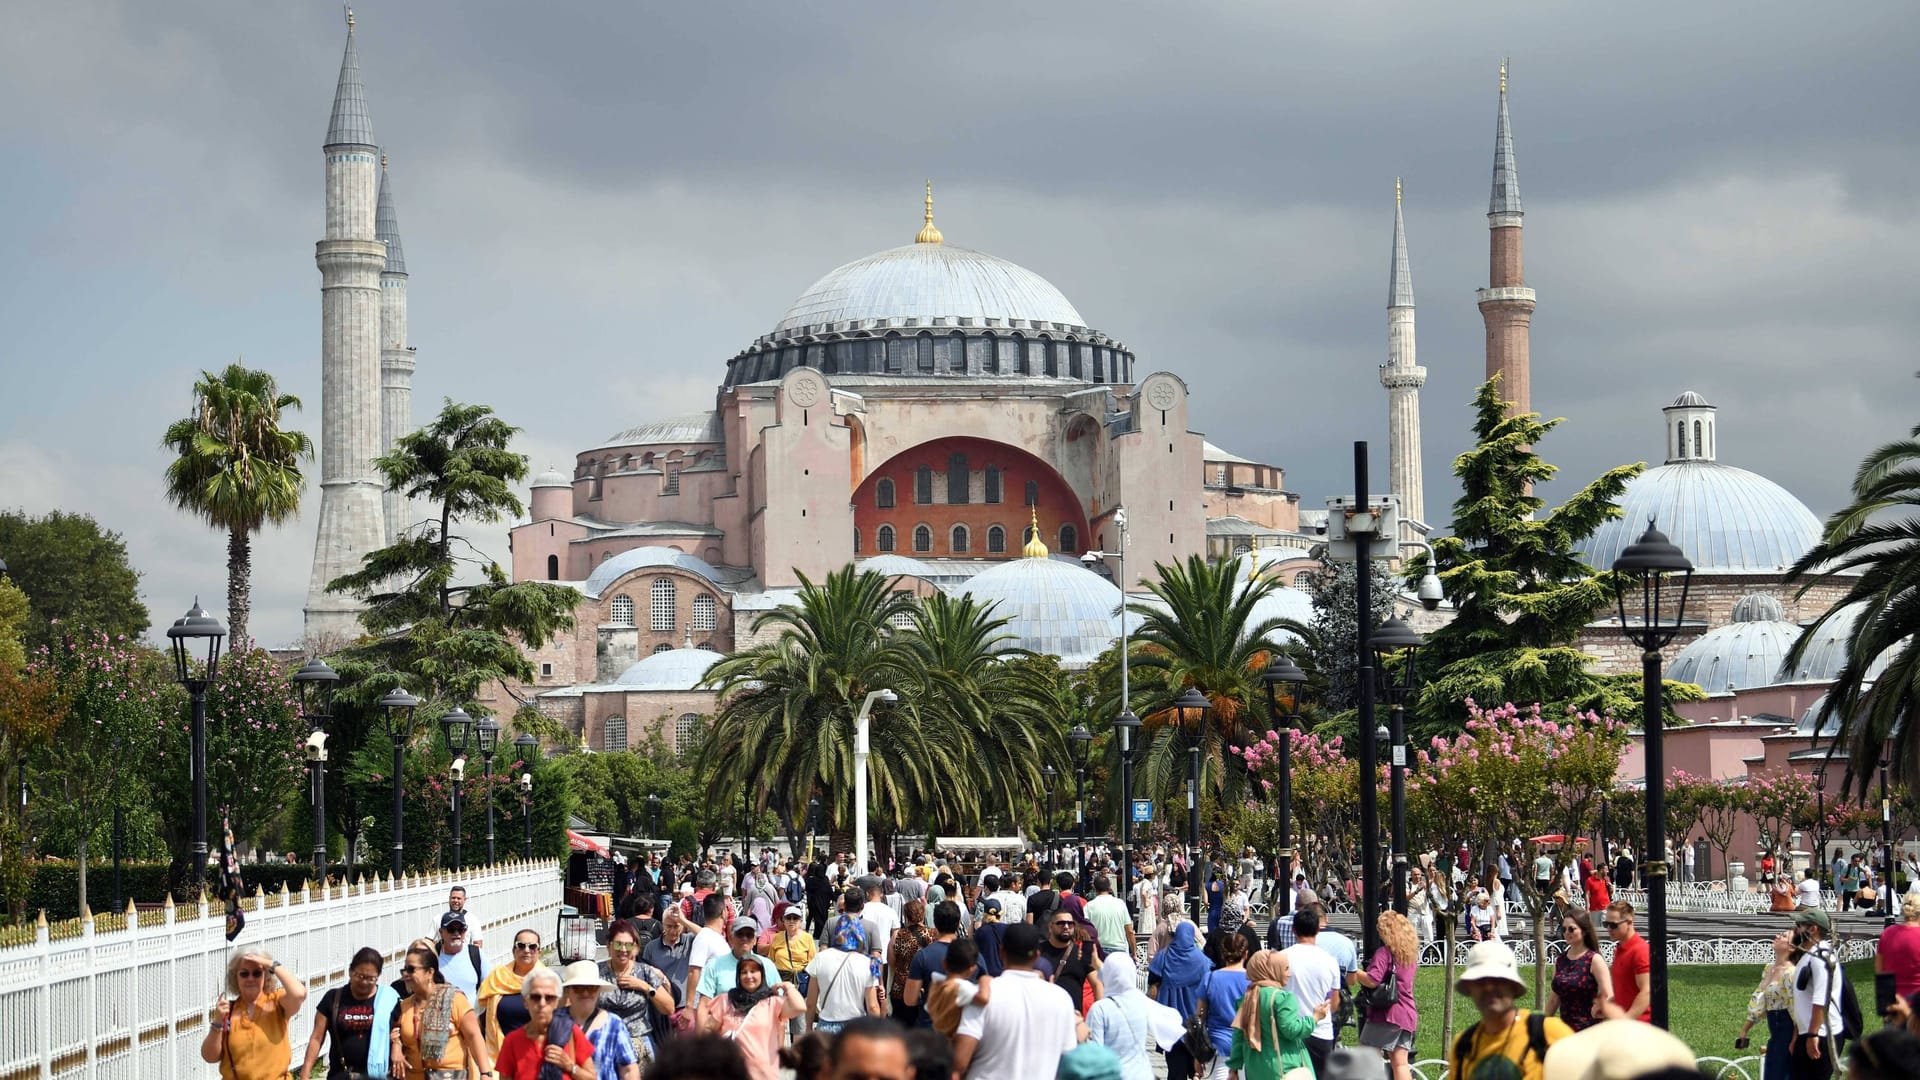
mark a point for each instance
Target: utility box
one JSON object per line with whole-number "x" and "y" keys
{"x": 1350, "y": 524}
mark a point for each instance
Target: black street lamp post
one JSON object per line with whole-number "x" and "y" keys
{"x": 1393, "y": 636}
{"x": 1078, "y": 742}
{"x": 1049, "y": 774}
{"x": 186, "y": 636}
{"x": 456, "y": 727}
{"x": 1193, "y": 702}
{"x": 525, "y": 745}
{"x": 1283, "y": 672}
{"x": 1886, "y": 837}
{"x": 1651, "y": 563}
{"x": 1820, "y": 796}
{"x": 486, "y": 736}
{"x": 399, "y": 706}
{"x": 653, "y": 816}
{"x": 1127, "y": 725}
{"x": 314, "y": 684}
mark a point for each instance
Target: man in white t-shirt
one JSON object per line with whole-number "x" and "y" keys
{"x": 880, "y": 922}
{"x": 1809, "y": 889}
{"x": 1025, "y": 1027}
{"x": 708, "y": 943}
{"x": 1816, "y": 996}
{"x": 1315, "y": 978}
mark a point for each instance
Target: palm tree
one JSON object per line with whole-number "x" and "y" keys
{"x": 1201, "y": 633}
{"x": 1877, "y": 537}
{"x": 236, "y": 467}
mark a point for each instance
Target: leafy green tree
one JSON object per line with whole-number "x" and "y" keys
{"x": 1520, "y": 590}
{"x": 15, "y": 612}
{"x": 1875, "y": 539}
{"x": 1336, "y": 633}
{"x": 74, "y": 573}
{"x": 236, "y": 467}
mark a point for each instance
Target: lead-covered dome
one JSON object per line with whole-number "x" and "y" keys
{"x": 674, "y": 669}
{"x": 920, "y": 282}
{"x": 1746, "y": 652}
{"x": 1056, "y": 606}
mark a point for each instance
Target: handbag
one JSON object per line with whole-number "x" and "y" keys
{"x": 1199, "y": 1046}
{"x": 1379, "y": 998}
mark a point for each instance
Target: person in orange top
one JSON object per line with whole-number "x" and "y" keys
{"x": 248, "y": 1034}
{"x": 435, "y": 1030}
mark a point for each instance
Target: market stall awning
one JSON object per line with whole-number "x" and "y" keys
{"x": 585, "y": 843}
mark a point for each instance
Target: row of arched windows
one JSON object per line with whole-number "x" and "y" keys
{"x": 960, "y": 539}
{"x": 959, "y": 486}
{"x": 664, "y": 596}
{"x": 952, "y": 353}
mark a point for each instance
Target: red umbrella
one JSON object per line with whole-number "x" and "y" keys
{"x": 582, "y": 843}
{"x": 1557, "y": 838}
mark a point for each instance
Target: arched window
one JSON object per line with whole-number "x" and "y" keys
{"x": 925, "y": 349}
{"x": 883, "y": 494}
{"x": 896, "y": 354}
{"x": 553, "y": 568}
{"x": 903, "y": 619}
{"x": 922, "y": 538}
{"x": 1012, "y": 355}
{"x": 706, "y": 612}
{"x": 1053, "y": 355}
{"x": 996, "y": 540}
{"x": 686, "y": 732}
{"x": 1069, "y": 539}
{"x": 956, "y": 353}
{"x": 613, "y": 734}
{"x": 959, "y": 539}
{"x": 665, "y": 646}
{"x": 993, "y": 483}
{"x": 1682, "y": 431}
{"x": 991, "y": 362}
{"x": 1077, "y": 354}
{"x": 923, "y": 485}
{"x": 883, "y": 540}
{"x": 1099, "y": 365}
{"x": 1699, "y": 444}
{"x": 622, "y": 611}
{"x": 856, "y": 539}
{"x": 666, "y": 602}
{"x": 1033, "y": 493}
{"x": 957, "y": 479}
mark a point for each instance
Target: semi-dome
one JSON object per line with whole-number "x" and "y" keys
{"x": 920, "y": 282}
{"x": 898, "y": 566}
{"x": 674, "y": 669}
{"x": 633, "y": 559}
{"x": 1056, "y": 607}
{"x": 1744, "y": 653}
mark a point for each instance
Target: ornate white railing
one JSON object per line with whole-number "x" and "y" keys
{"x": 1714, "y": 1068}
{"x": 132, "y": 1001}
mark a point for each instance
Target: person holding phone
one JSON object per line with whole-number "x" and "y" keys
{"x": 1773, "y": 1002}
{"x": 247, "y": 1033}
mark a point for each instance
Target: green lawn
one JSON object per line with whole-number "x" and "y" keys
{"x": 1708, "y": 1004}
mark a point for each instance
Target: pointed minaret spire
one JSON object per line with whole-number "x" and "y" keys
{"x": 1402, "y": 376}
{"x": 1506, "y": 178}
{"x": 386, "y": 223}
{"x": 350, "y": 124}
{"x": 396, "y": 355}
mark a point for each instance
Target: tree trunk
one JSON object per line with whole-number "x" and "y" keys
{"x": 82, "y": 852}
{"x": 239, "y": 587}
{"x": 1536, "y": 907}
{"x": 1446, "y": 937}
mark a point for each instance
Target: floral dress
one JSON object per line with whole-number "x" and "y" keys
{"x": 1773, "y": 1001}
{"x": 1575, "y": 986}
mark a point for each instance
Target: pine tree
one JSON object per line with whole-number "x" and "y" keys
{"x": 1336, "y": 633}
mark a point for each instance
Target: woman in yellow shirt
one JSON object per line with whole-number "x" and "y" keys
{"x": 435, "y": 1030}
{"x": 248, "y": 1033}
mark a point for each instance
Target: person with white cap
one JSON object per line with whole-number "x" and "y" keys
{"x": 1617, "y": 1050}
{"x": 613, "y": 1053}
{"x": 1507, "y": 1042}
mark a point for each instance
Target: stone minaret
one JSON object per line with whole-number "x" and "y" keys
{"x": 351, "y": 258}
{"x": 396, "y": 356}
{"x": 1403, "y": 377}
{"x": 1506, "y": 303}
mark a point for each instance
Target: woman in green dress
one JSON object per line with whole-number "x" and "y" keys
{"x": 1270, "y": 1031}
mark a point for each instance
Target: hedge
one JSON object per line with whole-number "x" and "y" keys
{"x": 54, "y": 887}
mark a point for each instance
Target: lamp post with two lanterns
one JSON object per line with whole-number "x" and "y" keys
{"x": 398, "y": 706}
{"x": 187, "y": 636}
{"x": 486, "y": 736}
{"x": 1393, "y": 636}
{"x": 314, "y": 684}
{"x": 1193, "y": 703}
{"x": 456, "y": 727}
{"x": 1283, "y": 672}
{"x": 525, "y": 745}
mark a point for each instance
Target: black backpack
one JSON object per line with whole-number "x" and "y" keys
{"x": 1536, "y": 1039}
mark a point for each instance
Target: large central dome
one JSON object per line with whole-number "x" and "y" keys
{"x": 920, "y": 282}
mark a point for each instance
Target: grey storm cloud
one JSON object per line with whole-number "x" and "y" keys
{"x": 601, "y": 202}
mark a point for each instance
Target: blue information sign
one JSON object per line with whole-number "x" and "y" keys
{"x": 1142, "y": 811}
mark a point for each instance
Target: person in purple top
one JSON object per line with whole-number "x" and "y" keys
{"x": 1390, "y": 1028}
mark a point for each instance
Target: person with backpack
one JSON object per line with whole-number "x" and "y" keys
{"x": 1825, "y": 1011}
{"x": 1506, "y": 1039}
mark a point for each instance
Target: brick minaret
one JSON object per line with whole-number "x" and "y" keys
{"x": 396, "y": 356}
{"x": 1403, "y": 377}
{"x": 1506, "y": 303}
{"x": 351, "y": 258}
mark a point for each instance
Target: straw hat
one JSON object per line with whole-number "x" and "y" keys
{"x": 583, "y": 973}
{"x": 1616, "y": 1050}
{"x": 1491, "y": 960}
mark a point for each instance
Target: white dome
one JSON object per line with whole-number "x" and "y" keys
{"x": 1057, "y": 607}
{"x": 897, "y": 566}
{"x": 1736, "y": 656}
{"x": 1285, "y": 602}
{"x": 633, "y": 559}
{"x": 917, "y": 283}
{"x": 1724, "y": 519}
{"x": 675, "y": 669}
{"x": 552, "y": 478}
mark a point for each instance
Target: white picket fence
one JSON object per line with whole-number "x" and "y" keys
{"x": 132, "y": 1001}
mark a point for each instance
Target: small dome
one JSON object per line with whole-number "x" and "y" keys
{"x": 897, "y": 566}
{"x": 1736, "y": 656}
{"x": 552, "y": 478}
{"x": 633, "y": 559}
{"x": 1726, "y": 520}
{"x": 1689, "y": 400}
{"x": 920, "y": 282}
{"x": 1057, "y": 607}
{"x": 1758, "y": 607}
{"x": 1286, "y": 602}
{"x": 1810, "y": 718}
{"x": 675, "y": 669}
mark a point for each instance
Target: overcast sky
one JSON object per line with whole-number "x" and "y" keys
{"x": 602, "y": 202}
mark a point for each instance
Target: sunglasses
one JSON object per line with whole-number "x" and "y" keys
{"x": 251, "y": 973}
{"x": 526, "y": 946}
{"x": 1068, "y": 924}
{"x": 622, "y": 946}
{"x": 1611, "y": 925}
{"x": 541, "y": 999}
{"x": 411, "y": 968}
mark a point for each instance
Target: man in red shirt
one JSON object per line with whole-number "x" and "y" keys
{"x": 1632, "y": 968}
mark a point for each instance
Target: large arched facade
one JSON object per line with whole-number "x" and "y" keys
{"x": 965, "y": 498}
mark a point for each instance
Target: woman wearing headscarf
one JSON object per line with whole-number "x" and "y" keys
{"x": 907, "y": 940}
{"x": 1120, "y": 1021}
{"x": 753, "y": 1015}
{"x": 844, "y": 980}
{"x": 1174, "y": 979}
{"x": 819, "y": 897}
{"x": 1269, "y": 1029}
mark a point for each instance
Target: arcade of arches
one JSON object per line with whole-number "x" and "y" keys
{"x": 965, "y": 498}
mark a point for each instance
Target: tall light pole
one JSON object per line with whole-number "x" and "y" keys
{"x": 1648, "y": 567}
{"x": 525, "y": 745}
{"x": 187, "y": 635}
{"x": 1048, "y": 774}
{"x": 653, "y": 817}
{"x": 1886, "y": 836}
{"x": 314, "y": 684}
{"x": 1283, "y": 672}
{"x": 1195, "y": 704}
{"x": 1394, "y": 636}
{"x": 1354, "y": 529}
{"x": 456, "y": 727}
{"x": 399, "y": 706}
{"x": 1820, "y": 796}
{"x": 1126, "y": 723}
{"x": 486, "y": 736}
{"x": 1079, "y": 741}
{"x": 862, "y": 731}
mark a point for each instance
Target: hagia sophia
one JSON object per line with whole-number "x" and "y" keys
{"x": 950, "y": 419}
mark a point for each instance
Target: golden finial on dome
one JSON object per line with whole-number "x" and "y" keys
{"x": 929, "y": 234}
{"x": 349, "y": 20}
{"x": 1035, "y": 549}
{"x": 1503, "y": 75}
{"x": 1396, "y": 191}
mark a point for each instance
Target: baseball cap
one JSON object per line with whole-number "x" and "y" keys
{"x": 744, "y": 923}
{"x": 1816, "y": 916}
{"x": 454, "y": 918}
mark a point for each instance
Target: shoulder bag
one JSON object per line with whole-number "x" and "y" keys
{"x": 1199, "y": 1046}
